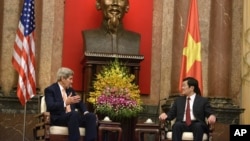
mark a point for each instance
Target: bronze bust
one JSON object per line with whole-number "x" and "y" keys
{"x": 111, "y": 37}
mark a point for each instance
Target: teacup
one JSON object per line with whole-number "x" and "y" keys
{"x": 106, "y": 118}
{"x": 149, "y": 120}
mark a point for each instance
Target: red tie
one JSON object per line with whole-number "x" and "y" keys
{"x": 188, "y": 118}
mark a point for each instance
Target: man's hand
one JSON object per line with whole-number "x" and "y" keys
{"x": 163, "y": 116}
{"x": 86, "y": 112}
{"x": 73, "y": 99}
{"x": 211, "y": 119}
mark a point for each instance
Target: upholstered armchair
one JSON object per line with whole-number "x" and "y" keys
{"x": 44, "y": 131}
{"x": 166, "y": 132}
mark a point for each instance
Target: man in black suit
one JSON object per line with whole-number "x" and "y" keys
{"x": 62, "y": 101}
{"x": 111, "y": 37}
{"x": 199, "y": 110}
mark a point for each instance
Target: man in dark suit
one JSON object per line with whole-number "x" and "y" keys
{"x": 111, "y": 37}
{"x": 62, "y": 101}
{"x": 198, "y": 111}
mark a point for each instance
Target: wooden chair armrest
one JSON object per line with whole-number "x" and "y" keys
{"x": 40, "y": 114}
{"x": 211, "y": 127}
{"x": 43, "y": 117}
{"x": 166, "y": 125}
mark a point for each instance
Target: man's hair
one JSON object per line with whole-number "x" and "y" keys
{"x": 64, "y": 73}
{"x": 193, "y": 82}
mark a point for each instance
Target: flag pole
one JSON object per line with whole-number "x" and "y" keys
{"x": 23, "y": 59}
{"x": 24, "y": 122}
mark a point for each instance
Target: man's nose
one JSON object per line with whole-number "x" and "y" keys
{"x": 115, "y": 2}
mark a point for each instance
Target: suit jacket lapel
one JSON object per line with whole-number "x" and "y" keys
{"x": 183, "y": 104}
{"x": 58, "y": 92}
{"x": 196, "y": 102}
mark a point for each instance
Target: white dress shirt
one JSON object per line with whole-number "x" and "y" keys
{"x": 191, "y": 103}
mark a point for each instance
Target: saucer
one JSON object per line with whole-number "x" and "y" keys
{"x": 107, "y": 120}
{"x": 148, "y": 122}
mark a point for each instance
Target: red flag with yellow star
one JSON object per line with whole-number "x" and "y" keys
{"x": 191, "y": 56}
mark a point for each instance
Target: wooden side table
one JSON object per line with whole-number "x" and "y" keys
{"x": 150, "y": 128}
{"x": 109, "y": 126}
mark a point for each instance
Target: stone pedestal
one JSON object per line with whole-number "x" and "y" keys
{"x": 225, "y": 110}
{"x": 14, "y": 124}
{"x": 166, "y": 106}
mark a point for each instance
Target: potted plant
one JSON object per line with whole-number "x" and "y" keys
{"x": 114, "y": 92}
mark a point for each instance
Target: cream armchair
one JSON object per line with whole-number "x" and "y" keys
{"x": 166, "y": 132}
{"x": 43, "y": 131}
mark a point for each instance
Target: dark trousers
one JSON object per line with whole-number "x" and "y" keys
{"x": 73, "y": 120}
{"x": 198, "y": 128}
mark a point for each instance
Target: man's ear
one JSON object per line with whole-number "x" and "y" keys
{"x": 98, "y": 5}
{"x": 192, "y": 87}
{"x": 62, "y": 78}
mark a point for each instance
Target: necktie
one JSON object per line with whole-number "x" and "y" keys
{"x": 188, "y": 118}
{"x": 68, "y": 109}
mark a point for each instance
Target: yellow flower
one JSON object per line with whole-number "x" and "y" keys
{"x": 115, "y": 92}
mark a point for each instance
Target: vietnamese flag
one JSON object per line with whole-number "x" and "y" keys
{"x": 191, "y": 56}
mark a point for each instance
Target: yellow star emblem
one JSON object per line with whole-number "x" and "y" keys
{"x": 192, "y": 51}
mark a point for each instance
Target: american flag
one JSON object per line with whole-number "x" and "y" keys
{"x": 23, "y": 58}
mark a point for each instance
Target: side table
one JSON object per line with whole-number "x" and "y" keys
{"x": 150, "y": 128}
{"x": 109, "y": 126}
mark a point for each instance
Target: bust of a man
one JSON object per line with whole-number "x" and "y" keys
{"x": 111, "y": 37}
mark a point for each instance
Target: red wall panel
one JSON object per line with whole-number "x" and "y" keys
{"x": 82, "y": 14}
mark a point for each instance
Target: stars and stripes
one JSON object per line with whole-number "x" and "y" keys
{"x": 23, "y": 58}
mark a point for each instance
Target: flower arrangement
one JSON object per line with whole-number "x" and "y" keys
{"x": 115, "y": 93}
